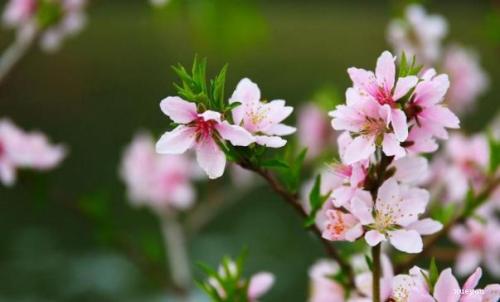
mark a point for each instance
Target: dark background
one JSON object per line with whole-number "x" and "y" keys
{"x": 107, "y": 82}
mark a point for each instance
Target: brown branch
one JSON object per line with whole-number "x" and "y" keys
{"x": 293, "y": 200}
{"x": 431, "y": 241}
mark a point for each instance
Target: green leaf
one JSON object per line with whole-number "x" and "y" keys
{"x": 433, "y": 272}
{"x": 316, "y": 201}
{"x": 494, "y": 153}
{"x": 369, "y": 262}
{"x": 470, "y": 203}
{"x": 275, "y": 163}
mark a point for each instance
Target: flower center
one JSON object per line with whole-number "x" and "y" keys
{"x": 204, "y": 128}
{"x": 385, "y": 97}
{"x": 257, "y": 116}
{"x": 373, "y": 126}
{"x": 383, "y": 220}
{"x": 337, "y": 226}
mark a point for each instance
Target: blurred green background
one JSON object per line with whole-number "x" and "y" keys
{"x": 106, "y": 84}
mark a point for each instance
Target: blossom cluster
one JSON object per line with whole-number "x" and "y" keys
{"x": 394, "y": 117}
{"x": 206, "y": 131}
{"x": 25, "y": 150}
{"x": 53, "y": 20}
{"x": 419, "y": 285}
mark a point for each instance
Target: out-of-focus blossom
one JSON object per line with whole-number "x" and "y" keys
{"x": 412, "y": 288}
{"x": 162, "y": 182}
{"x": 464, "y": 162}
{"x": 467, "y": 77}
{"x": 314, "y": 131}
{"x": 425, "y": 105}
{"x": 395, "y": 216}
{"x": 258, "y": 285}
{"x": 323, "y": 288}
{"x": 200, "y": 131}
{"x": 53, "y": 20}
{"x": 25, "y": 150}
{"x": 418, "y": 34}
{"x": 159, "y": 3}
{"x": 411, "y": 170}
{"x": 261, "y": 119}
{"x": 479, "y": 242}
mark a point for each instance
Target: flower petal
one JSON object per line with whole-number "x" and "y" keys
{"x": 426, "y": 226}
{"x": 259, "y": 284}
{"x": 281, "y": 129}
{"x": 178, "y": 110}
{"x": 235, "y": 134}
{"x": 385, "y": 70}
{"x": 392, "y": 147}
{"x": 408, "y": 241}
{"x": 210, "y": 158}
{"x": 447, "y": 288}
{"x": 398, "y": 121}
{"x": 403, "y": 86}
{"x": 361, "y": 147}
{"x": 374, "y": 237}
{"x": 270, "y": 141}
{"x": 176, "y": 141}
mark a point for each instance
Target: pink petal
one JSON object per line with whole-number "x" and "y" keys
{"x": 362, "y": 210}
{"x": 392, "y": 147}
{"x": 411, "y": 169}
{"x": 280, "y": 129}
{"x": 408, "y": 241}
{"x": 210, "y": 115}
{"x": 270, "y": 141}
{"x": 403, "y": 86}
{"x": 374, "y": 237}
{"x": 447, "y": 288}
{"x": 210, "y": 158}
{"x": 179, "y": 110}
{"x": 260, "y": 283}
{"x": 246, "y": 92}
{"x": 235, "y": 134}
{"x": 363, "y": 79}
{"x": 443, "y": 116}
{"x": 7, "y": 173}
{"x": 176, "y": 141}
{"x": 473, "y": 279}
{"x": 361, "y": 147}
{"x": 491, "y": 293}
{"x": 398, "y": 120}
{"x": 385, "y": 71}
{"x": 278, "y": 111}
{"x": 426, "y": 226}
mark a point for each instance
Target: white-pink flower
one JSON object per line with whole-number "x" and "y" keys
{"x": 162, "y": 182}
{"x": 384, "y": 87}
{"x": 419, "y": 34}
{"x": 261, "y": 119}
{"x": 25, "y": 150}
{"x": 426, "y": 105}
{"x": 201, "y": 131}
{"x": 468, "y": 79}
{"x": 341, "y": 226}
{"x": 313, "y": 130}
{"x": 369, "y": 124}
{"x": 395, "y": 216}
{"x": 322, "y": 287}
{"x": 479, "y": 243}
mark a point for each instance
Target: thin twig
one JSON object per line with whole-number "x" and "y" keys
{"x": 13, "y": 54}
{"x": 293, "y": 200}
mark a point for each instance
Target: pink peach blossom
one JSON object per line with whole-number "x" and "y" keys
{"x": 322, "y": 287}
{"x": 25, "y": 150}
{"x": 479, "y": 243}
{"x": 201, "y": 131}
{"x": 418, "y": 34}
{"x": 261, "y": 119}
{"x": 162, "y": 182}
{"x": 427, "y": 110}
{"x": 468, "y": 79}
{"x": 342, "y": 226}
{"x": 395, "y": 216}
{"x": 385, "y": 88}
{"x": 19, "y": 12}
{"x": 368, "y": 122}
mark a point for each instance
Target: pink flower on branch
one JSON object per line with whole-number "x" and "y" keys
{"x": 202, "y": 132}
{"x": 395, "y": 216}
{"x": 261, "y": 119}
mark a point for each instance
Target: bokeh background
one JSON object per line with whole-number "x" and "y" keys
{"x": 106, "y": 84}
